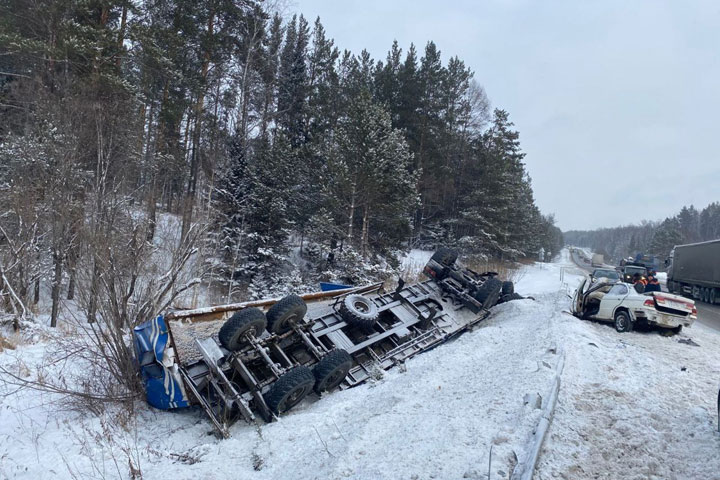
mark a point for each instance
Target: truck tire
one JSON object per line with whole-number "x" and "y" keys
{"x": 623, "y": 322}
{"x": 331, "y": 370}
{"x": 288, "y": 311}
{"x": 232, "y": 333}
{"x": 289, "y": 389}
{"x": 508, "y": 288}
{"x": 445, "y": 256}
{"x": 359, "y": 311}
{"x": 489, "y": 292}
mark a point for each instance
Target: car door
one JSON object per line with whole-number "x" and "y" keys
{"x": 612, "y": 300}
{"x": 578, "y": 300}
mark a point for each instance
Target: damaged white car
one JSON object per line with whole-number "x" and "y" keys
{"x": 621, "y": 304}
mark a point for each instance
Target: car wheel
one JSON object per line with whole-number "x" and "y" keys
{"x": 623, "y": 322}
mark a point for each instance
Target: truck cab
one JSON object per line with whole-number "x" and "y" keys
{"x": 629, "y": 270}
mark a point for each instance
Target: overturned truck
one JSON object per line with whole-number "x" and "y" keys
{"x": 262, "y": 358}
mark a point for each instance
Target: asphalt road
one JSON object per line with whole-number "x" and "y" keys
{"x": 708, "y": 315}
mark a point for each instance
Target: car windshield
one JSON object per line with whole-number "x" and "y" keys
{"x": 611, "y": 274}
{"x": 634, "y": 270}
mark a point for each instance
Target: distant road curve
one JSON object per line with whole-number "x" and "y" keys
{"x": 708, "y": 315}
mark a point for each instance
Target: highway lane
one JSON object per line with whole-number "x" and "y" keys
{"x": 708, "y": 315}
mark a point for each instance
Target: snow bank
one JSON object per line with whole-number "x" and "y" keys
{"x": 451, "y": 403}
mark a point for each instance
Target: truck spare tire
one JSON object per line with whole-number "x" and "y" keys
{"x": 359, "y": 311}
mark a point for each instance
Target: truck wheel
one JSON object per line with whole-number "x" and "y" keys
{"x": 623, "y": 323}
{"x": 359, "y": 311}
{"x": 445, "y": 256}
{"x": 248, "y": 321}
{"x": 508, "y": 288}
{"x": 489, "y": 292}
{"x": 289, "y": 389}
{"x": 677, "y": 329}
{"x": 288, "y": 311}
{"x": 331, "y": 370}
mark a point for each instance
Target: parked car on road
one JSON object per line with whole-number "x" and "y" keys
{"x": 621, "y": 304}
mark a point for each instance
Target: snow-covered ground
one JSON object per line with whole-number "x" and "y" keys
{"x": 415, "y": 260}
{"x": 634, "y": 405}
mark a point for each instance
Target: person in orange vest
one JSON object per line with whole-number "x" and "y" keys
{"x": 639, "y": 283}
{"x": 652, "y": 285}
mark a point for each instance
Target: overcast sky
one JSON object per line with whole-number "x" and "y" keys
{"x": 617, "y": 102}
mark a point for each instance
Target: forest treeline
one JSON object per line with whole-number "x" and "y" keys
{"x": 258, "y": 128}
{"x": 690, "y": 225}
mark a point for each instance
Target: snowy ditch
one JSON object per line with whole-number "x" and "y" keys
{"x": 624, "y": 409}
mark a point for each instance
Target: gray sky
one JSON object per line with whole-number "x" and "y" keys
{"x": 616, "y": 102}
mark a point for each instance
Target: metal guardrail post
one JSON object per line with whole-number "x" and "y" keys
{"x": 524, "y": 469}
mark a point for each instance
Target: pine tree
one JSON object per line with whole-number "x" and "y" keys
{"x": 293, "y": 83}
{"x": 666, "y": 236}
{"x": 372, "y": 172}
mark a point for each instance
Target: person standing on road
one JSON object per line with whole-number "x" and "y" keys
{"x": 638, "y": 283}
{"x": 653, "y": 285}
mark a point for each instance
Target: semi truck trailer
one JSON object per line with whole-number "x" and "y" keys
{"x": 694, "y": 270}
{"x": 598, "y": 260}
